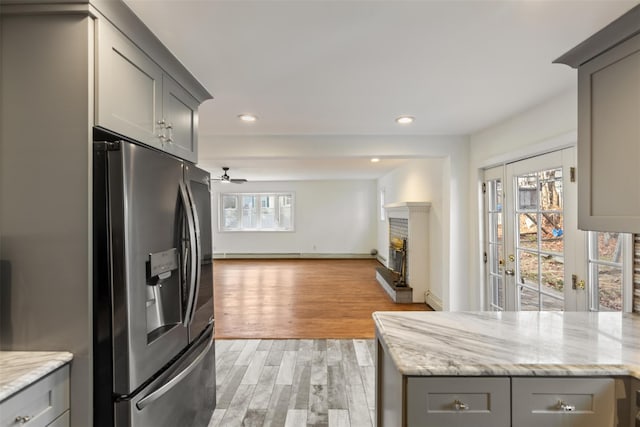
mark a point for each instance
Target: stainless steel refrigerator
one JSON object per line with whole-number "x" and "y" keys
{"x": 154, "y": 361}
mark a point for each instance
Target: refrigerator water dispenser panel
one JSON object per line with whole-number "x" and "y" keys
{"x": 163, "y": 293}
{"x": 161, "y": 264}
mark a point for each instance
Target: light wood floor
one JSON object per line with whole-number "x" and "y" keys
{"x": 293, "y": 383}
{"x": 277, "y": 299}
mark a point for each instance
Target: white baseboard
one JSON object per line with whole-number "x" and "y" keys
{"x": 433, "y": 301}
{"x": 290, "y": 256}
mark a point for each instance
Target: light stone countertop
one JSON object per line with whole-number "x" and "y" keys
{"x": 511, "y": 343}
{"x": 20, "y": 369}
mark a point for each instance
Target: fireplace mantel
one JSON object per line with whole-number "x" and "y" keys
{"x": 417, "y": 251}
{"x": 403, "y": 209}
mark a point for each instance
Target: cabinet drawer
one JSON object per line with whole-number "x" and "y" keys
{"x": 446, "y": 401}
{"x": 42, "y": 402}
{"x": 564, "y": 402}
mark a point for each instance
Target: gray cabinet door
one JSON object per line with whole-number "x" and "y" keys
{"x": 458, "y": 402}
{"x": 609, "y": 140}
{"x": 563, "y": 402}
{"x": 181, "y": 119}
{"x": 129, "y": 83}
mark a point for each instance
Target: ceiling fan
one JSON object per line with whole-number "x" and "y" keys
{"x": 224, "y": 179}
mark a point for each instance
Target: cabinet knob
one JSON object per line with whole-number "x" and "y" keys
{"x": 460, "y": 406}
{"x": 565, "y": 407}
{"x": 23, "y": 419}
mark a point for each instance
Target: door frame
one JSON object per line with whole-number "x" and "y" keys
{"x": 574, "y": 247}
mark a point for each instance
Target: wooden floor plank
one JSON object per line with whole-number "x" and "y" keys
{"x": 278, "y": 406}
{"x": 264, "y": 388}
{"x": 216, "y": 418}
{"x": 362, "y": 353}
{"x": 228, "y": 389}
{"x": 287, "y": 368}
{"x": 336, "y": 391}
{"x": 254, "y": 370}
{"x": 225, "y": 362}
{"x": 238, "y": 407}
{"x": 318, "y": 405}
{"x": 334, "y": 353}
{"x": 296, "y": 418}
{"x": 300, "y": 390}
{"x": 245, "y": 356}
{"x": 358, "y": 409}
{"x": 254, "y": 418}
{"x": 315, "y": 298}
{"x": 319, "y": 367}
{"x": 339, "y": 418}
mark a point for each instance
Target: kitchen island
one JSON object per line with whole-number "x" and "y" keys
{"x": 506, "y": 368}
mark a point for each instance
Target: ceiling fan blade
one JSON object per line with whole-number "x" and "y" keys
{"x": 238, "y": 181}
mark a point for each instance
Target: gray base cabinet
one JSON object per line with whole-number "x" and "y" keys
{"x": 44, "y": 403}
{"x": 561, "y": 402}
{"x": 484, "y": 401}
{"x": 458, "y": 402}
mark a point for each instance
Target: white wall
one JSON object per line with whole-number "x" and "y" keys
{"x": 420, "y": 180}
{"x": 331, "y": 217}
{"x": 543, "y": 128}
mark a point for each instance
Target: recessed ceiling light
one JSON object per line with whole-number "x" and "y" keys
{"x": 375, "y": 160}
{"x": 404, "y": 120}
{"x": 249, "y": 118}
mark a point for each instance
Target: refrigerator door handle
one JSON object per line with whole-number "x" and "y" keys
{"x": 197, "y": 254}
{"x": 157, "y": 394}
{"x": 192, "y": 252}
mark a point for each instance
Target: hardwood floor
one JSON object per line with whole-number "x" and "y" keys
{"x": 294, "y": 383}
{"x": 320, "y": 298}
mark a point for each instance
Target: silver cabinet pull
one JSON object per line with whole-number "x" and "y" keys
{"x": 23, "y": 419}
{"x": 565, "y": 407}
{"x": 460, "y": 406}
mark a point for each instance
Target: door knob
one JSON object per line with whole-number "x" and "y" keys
{"x": 510, "y": 272}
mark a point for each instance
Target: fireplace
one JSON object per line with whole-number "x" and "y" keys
{"x": 408, "y": 257}
{"x": 398, "y": 260}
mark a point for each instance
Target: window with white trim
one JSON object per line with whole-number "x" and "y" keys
{"x": 256, "y": 212}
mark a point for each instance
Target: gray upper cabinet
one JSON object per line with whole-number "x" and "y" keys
{"x": 136, "y": 98}
{"x": 609, "y": 140}
{"x": 180, "y": 120}
{"x": 608, "y": 66}
{"x": 129, "y": 88}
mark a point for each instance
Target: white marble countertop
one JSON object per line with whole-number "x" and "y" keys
{"x": 511, "y": 343}
{"x": 19, "y": 369}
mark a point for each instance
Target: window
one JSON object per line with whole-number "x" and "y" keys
{"x": 609, "y": 275}
{"x": 256, "y": 212}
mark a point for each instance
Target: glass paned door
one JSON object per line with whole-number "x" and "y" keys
{"x": 493, "y": 192}
{"x": 541, "y": 231}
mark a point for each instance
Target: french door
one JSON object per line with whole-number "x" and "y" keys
{"x": 534, "y": 249}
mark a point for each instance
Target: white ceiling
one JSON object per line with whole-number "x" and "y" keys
{"x": 340, "y": 68}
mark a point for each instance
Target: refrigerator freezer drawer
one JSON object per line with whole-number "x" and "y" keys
{"x": 183, "y": 397}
